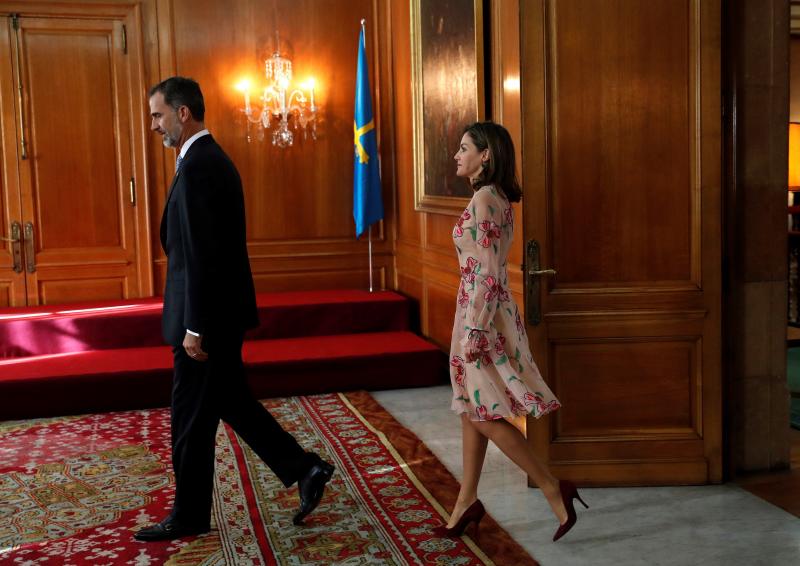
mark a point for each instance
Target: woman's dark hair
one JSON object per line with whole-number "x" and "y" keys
{"x": 501, "y": 168}
{"x": 180, "y": 91}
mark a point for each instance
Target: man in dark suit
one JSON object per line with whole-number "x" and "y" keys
{"x": 209, "y": 303}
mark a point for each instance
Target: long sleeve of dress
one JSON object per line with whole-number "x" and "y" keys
{"x": 487, "y": 282}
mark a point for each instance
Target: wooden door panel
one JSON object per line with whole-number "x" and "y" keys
{"x": 6, "y": 295}
{"x": 633, "y": 386}
{"x": 72, "y": 138}
{"x": 620, "y": 108}
{"x": 620, "y": 160}
{"x": 55, "y": 291}
{"x": 75, "y": 187}
{"x": 12, "y": 283}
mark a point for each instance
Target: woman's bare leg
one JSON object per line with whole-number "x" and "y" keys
{"x": 473, "y": 452}
{"x": 513, "y": 444}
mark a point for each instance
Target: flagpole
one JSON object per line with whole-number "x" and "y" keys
{"x": 369, "y": 230}
{"x": 367, "y": 205}
{"x": 369, "y": 239}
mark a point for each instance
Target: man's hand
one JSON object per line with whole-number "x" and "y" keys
{"x": 192, "y": 345}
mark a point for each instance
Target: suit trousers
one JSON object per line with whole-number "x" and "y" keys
{"x": 203, "y": 393}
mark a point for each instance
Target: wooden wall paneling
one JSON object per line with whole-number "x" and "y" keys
{"x": 296, "y": 280}
{"x": 159, "y": 276}
{"x": 162, "y": 160}
{"x": 409, "y": 277}
{"x": 298, "y": 198}
{"x": 318, "y": 272}
{"x": 140, "y": 25}
{"x": 408, "y": 220}
{"x": 112, "y": 9}
{"x": 379, "y": 30}
{"x": 427, "y": 265}
{"x": 439, "y": 234}
{"x": 630, "y": 341}
{"x": 12, "y": 283}
{"x": 441, "y": 309}
{"x": 411, "y": 287}
{"x": 408, "y": 273}
{"x": 162, "y": 28}
{"x": 505, "y": 83}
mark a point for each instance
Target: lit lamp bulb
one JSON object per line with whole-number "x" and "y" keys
{"x": 309, "y": 86}
{"x": 243, "y": 86}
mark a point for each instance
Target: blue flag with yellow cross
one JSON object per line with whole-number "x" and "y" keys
{"x": 367, "y": 201}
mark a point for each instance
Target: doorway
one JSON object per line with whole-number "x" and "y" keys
{"x": 622, "y": 173}
{"x": 72, "y": 188}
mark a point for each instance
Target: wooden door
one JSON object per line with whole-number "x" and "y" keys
{"x": 78, "y": 204}
{"x": 621, "y": 161}
{"x": 12, "y": 275}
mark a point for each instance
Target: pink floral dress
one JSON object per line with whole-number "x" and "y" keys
{"x": 500, "y": 379}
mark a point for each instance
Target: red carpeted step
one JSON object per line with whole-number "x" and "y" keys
{"x": 105, "y": 380}
{"x": 32, "y": 331}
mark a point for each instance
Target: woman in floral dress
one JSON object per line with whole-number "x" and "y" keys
{"x": 491, "y": 368}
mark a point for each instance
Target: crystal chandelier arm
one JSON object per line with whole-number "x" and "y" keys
{"x": 298, "y": 96}
{"x": 253, "y": 117}
{"x": 271, "y": 100}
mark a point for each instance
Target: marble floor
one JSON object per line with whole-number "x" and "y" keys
{"x": 704, "y": 526}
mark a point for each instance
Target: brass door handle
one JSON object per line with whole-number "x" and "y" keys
{"x": 533, "y": 283}
{"x": 541, "y": 272}
{"x": 23, "y": 144}
{"x": 16, "y": 248}
{"x": 30, "y": 259}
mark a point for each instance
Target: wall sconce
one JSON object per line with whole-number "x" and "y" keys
{"x": 281, "y": 102}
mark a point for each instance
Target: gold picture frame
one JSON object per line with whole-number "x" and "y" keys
{"x": 448, "y": 94}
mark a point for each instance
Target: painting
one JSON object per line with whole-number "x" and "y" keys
{"x": 447, "y": 82}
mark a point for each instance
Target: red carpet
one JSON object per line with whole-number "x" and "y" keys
{"x": 74, "y": 489}
{"x": 110, "y": 356}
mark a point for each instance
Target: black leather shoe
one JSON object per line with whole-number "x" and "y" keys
{"x": 168, "y": 529}
{"x": 311, "y": 488}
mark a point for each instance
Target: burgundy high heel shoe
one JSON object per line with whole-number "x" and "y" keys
{"x": 473, "y": 514}
{"x": 568, "y": 493}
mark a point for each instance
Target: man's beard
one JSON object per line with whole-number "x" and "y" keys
{"x": 170, "y": 140}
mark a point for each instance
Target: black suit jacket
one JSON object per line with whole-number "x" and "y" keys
{"x": 209, "y": 283}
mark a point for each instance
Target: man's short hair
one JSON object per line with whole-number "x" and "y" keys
{"x": 182, "y": 91}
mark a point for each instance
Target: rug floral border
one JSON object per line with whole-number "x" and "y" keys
{"x": 494, "y": 541}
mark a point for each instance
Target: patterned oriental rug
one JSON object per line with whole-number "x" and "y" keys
{"x": 73, "y": 490}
